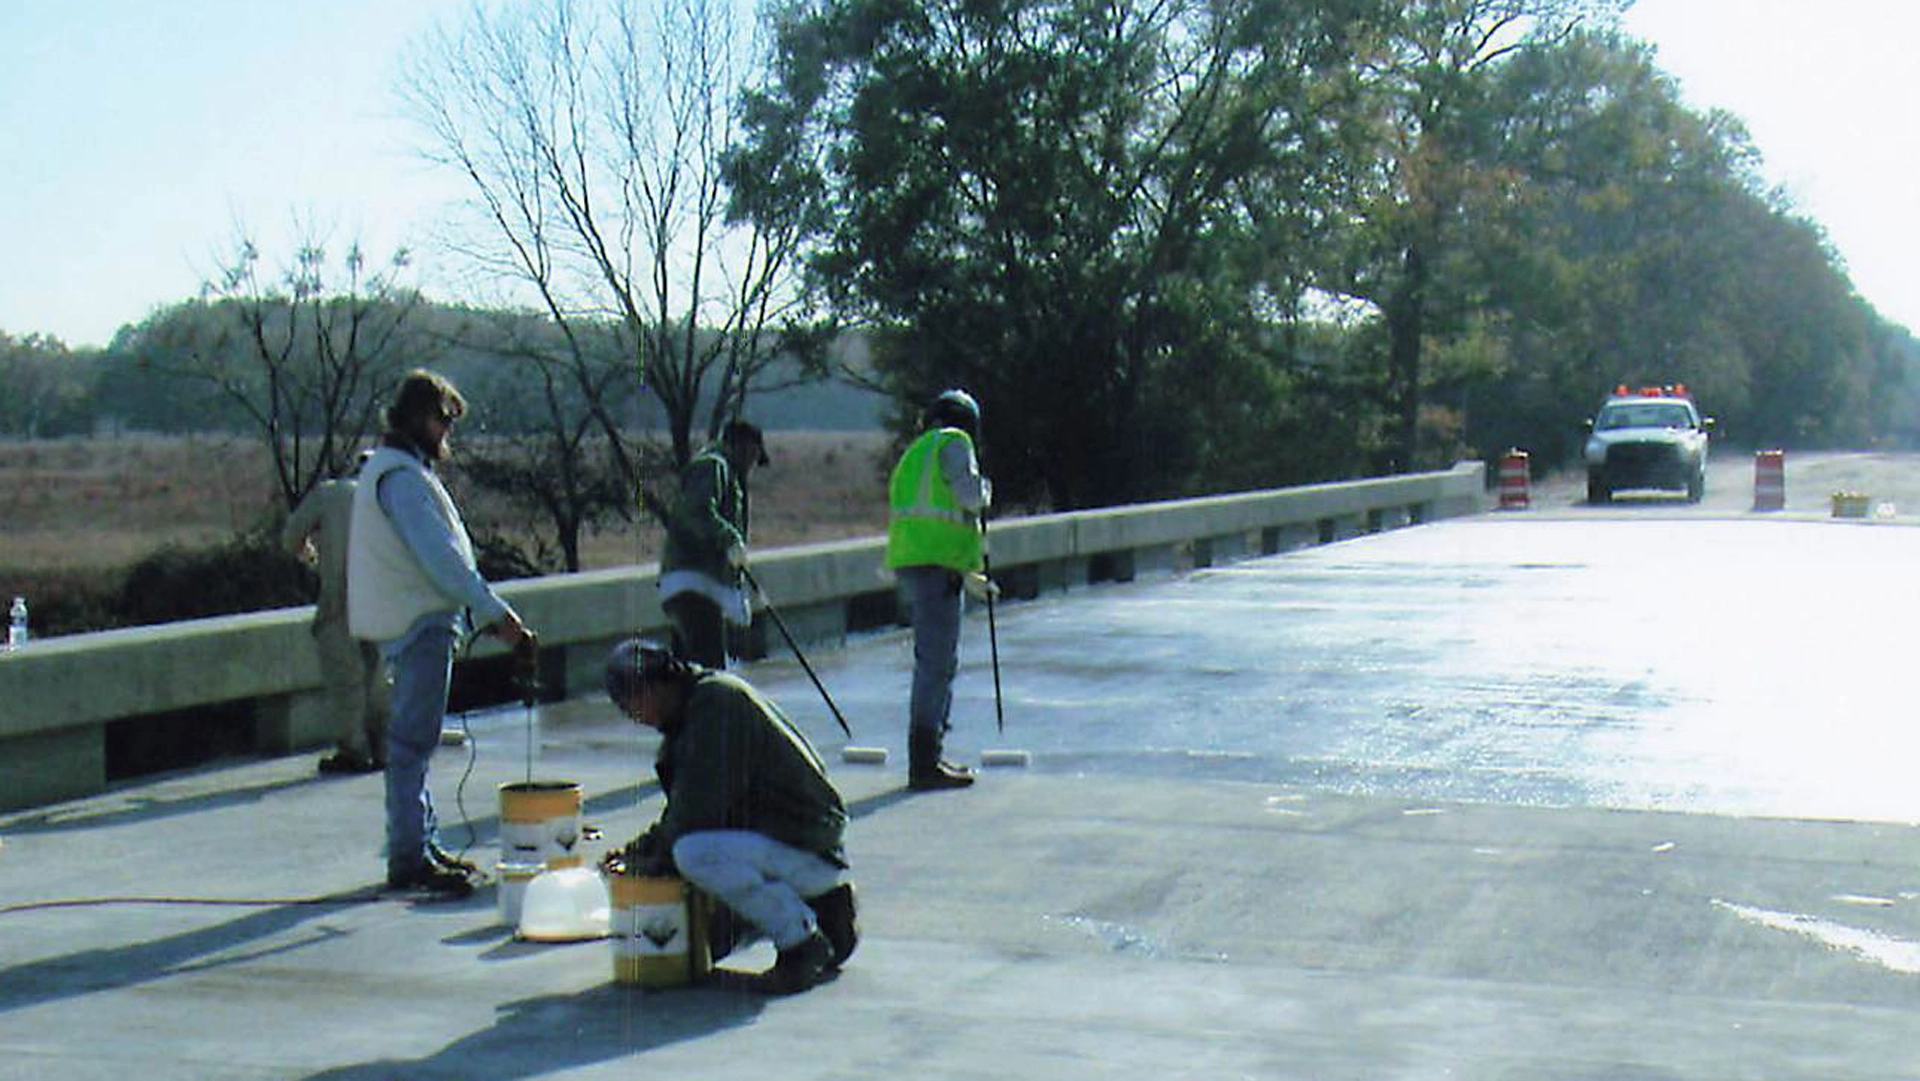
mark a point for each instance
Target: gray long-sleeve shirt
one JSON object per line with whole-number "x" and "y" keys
{"x": 962, "y": 471}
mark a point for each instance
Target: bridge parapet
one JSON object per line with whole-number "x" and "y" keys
{"x": 60, "y": 698}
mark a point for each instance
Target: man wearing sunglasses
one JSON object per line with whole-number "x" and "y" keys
{"x": 413, "y": 587}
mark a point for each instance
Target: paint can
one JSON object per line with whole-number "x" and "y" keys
{"x": 540, "y": 822}
{"x": 658, "y": 930}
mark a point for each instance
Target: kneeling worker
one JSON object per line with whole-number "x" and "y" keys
{"x": 750, "y": 817}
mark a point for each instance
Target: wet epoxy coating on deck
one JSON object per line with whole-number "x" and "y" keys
{"x": 1401, "y": 807}
{"x": 1724, "y": 666}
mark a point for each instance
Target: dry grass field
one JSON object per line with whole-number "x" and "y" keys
{"x": 85, "y": 506}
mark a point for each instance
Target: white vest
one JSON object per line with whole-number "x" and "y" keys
{"x": 386, "y": 589}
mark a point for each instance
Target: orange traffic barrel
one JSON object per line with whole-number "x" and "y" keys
{"x": 1770, "y": 480}
{"x": 1513, "y": 481}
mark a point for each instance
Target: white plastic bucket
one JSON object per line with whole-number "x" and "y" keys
{"x": 565, "y": 905}
{"x": 512, "y": 891}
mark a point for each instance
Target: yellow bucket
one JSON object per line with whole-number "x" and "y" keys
{"x": 540, "y": 822}
{"x": 659, "y": 933}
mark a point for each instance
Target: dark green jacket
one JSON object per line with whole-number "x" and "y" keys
{"x": 734, "y": 761}
{"x": 708, "y": 516}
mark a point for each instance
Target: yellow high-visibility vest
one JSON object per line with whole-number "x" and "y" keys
{"x": 927, "y": 526}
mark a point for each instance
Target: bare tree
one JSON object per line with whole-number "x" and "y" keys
{"x": 310, "y": 351}
{"x": 592, "y": 139}
{"x": 537, "y": 445}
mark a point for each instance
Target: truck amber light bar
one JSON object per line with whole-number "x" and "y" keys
{"x": 1671, "y": 390}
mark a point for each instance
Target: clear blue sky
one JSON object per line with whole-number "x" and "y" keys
{"x": 138, "y": 134}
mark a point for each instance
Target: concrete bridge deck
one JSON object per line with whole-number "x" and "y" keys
{"x": 1616, "y": 798}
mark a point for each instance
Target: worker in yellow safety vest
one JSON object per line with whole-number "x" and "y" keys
{"x": 937, "y": 548}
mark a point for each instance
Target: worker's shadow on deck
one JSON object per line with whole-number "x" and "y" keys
{"x": 119, "y": 808}
{"x": 547, "y": 1034}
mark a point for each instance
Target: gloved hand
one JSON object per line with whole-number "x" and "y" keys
{"x": 526, "y": 668}
{"x": 641, "y": 856}
{"x": 982, "y": 588}
{"x": 737, "y": 556}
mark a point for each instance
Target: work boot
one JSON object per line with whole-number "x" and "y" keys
{"x": 344, "y": 762}
{"x": 797, "y": 968}
{"x": 839, "y": 920}
{"x": 941, "y": 775}
{"x": 726, "y": 932}
{"x": 926, "y": 770}
{"x": 447, "y": 861}
{"x": 428, "y": 879}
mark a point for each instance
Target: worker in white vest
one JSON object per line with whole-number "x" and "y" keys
{"x": 412, "y": 586}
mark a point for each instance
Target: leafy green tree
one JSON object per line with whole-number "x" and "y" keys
{"x": 1587, "y": 259}
{"x": 1407, "y": 248}
{"x": 1896, "y": 361}
{"x": 46, "y": 384}
{"x": 1636, "y": 244}
{"x": 1075, "y": 210}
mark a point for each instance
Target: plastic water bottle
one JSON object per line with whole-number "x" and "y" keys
{"x": 17, "y": 624}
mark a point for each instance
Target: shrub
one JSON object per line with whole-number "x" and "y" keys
{"x": 63, "y": 602}
{"x": 249, "y": 573}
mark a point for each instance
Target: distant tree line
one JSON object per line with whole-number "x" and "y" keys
{"x": 56, "y": 392}
{"x": 1175, "y": 247}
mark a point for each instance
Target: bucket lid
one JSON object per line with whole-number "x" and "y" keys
{"x": 565, "y": 905}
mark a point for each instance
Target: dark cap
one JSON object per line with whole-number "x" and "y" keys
{"x": 955, "y": 408}
{"x": 743, "y": 433}
{"x": 638, "y": 661}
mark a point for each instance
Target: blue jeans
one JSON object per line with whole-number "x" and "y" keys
{"x": 422, "y": 672}
{"x": 934, "y": 594}
{"x": 764, "y": 881}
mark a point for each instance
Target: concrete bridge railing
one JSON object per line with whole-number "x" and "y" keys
{"x": 81, "y": 711}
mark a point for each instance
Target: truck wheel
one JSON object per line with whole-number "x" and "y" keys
{"x": 1696, "y": 488}
{"x": 1597, "y": 489}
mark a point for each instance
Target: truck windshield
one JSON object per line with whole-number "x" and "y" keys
{"x": 1645, "y": 415}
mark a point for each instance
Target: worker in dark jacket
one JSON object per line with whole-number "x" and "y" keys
{"x": 702, "y": 564}
{"x": 751, "y": 818}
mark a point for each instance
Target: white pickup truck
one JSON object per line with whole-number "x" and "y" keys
{"x": 1650, "y": 437}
